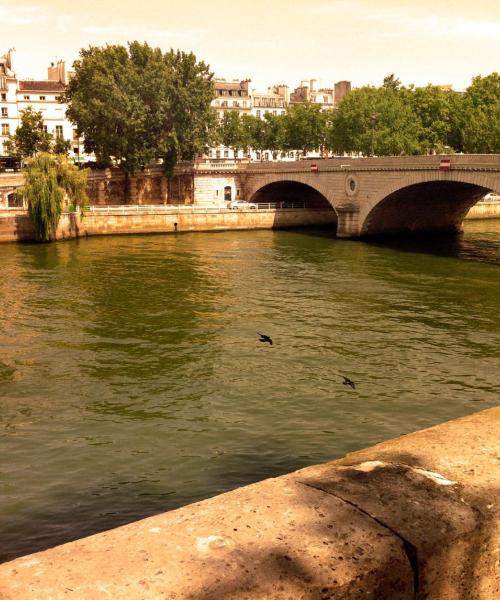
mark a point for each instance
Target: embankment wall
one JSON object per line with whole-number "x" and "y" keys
{"x": 484, "y": 210}
{"x": 18, "y": 227}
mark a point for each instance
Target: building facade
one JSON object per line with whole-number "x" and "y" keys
{"x": 43, "y": 95}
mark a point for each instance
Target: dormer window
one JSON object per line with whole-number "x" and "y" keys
{"x": 42, "y": 97}
{"x": 26, "y": 97}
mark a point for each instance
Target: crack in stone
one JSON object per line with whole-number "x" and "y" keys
{"x": 409, "y": 549}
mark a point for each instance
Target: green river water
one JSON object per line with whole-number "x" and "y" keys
{"x": 132, "y": 380}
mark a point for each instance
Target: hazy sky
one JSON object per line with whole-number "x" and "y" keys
{"x": 272, "y": 41}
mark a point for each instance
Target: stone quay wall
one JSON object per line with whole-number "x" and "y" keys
{"x": 17, "y": 227}
{"x": 411, "y": 518}
{"x": 484, "y": 210}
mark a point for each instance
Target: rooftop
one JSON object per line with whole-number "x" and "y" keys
{"x": 41, "y": 86}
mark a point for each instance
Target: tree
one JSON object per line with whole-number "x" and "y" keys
{"x": 232, "y": 133}
{"x": 137, "y": 104}
{"x": 256, "y": 132}
{"x": 30, "y": 137}
{"x": 392, "y": 82}
{"x": 50, "y": 182}
{"x": 275, "y": 132}
{"x": 439, "y": 118}
{"x": 375, "y": 121}
{"x": 306, "y": 127}
{"x": 481, "y": 126}
{"x": 61, "y": 146}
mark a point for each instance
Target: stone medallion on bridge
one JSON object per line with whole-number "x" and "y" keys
{"x": 351, "y": 185}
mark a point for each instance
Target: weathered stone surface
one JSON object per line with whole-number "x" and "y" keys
{"x": 439, "y": 490}
{"x": 275, "y": 539}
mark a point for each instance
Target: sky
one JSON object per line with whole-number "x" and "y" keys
{"x": 271, "y": 41}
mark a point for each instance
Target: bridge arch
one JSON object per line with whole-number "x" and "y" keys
{"x": 292, "y": 191}
{"x": 290, "y": 188}
{"x": 425, "y": 202}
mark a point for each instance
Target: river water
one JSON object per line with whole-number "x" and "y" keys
{"x": 132, "y": 380}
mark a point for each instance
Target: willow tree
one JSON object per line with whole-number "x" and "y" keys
{"x": 52, "y": 183}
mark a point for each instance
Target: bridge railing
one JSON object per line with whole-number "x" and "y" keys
{"x": 190, "y": 208}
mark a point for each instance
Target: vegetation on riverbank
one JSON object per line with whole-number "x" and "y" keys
{"x": 51, "y": 181}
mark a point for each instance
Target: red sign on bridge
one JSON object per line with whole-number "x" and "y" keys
{"x": 445, "y": 164}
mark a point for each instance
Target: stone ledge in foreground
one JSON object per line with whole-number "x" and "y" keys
{"x": 410, "y": 518}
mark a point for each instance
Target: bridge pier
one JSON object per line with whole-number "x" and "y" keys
{"x": 347, "y": 221}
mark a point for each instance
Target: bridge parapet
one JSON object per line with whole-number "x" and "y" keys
{"x": 383, "y": 163}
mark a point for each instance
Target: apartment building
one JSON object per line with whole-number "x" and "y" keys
{"x": 42, "y": 95}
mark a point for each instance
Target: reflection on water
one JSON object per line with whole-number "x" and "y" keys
{"x": 132, "y": 380}
{"x": 479, "y": 242}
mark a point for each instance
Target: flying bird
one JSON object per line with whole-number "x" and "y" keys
{"x": 348, "y": 381}
{"x": 265, "y": 338}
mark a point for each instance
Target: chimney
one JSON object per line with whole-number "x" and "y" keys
{"x": 57, "y": 72}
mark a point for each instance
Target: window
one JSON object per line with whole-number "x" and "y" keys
{"x": 42, "y": 97}
{"x": 5, "y": 129}
{"x": 59, "y": 131}
{"x": 45, "y": 128}
{"x": 3, "y": 97}
{"x": 57, "y": 98}
{"x": 14, "y": 200}
{"x": 244, "y": 103}
{"x": 226, "y": 153}
{"x": 275, "y": 112}
{"x": 26, "y": 97}
{"x": 257, "y": 113}
{"x": 5, "y": 112}
{"x": 76, "y": 150}
{"x": 3, "y": 83}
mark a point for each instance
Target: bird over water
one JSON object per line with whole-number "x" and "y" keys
{"x": 349, "y": 382}
{"x": 265, "y": 338}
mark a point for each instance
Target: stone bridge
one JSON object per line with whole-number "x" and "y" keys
{"x": 373, "y": 196}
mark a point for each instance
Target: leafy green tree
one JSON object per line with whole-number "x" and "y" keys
{"x": 482, "y": 130}
{"x": 434, "y": 109}
{"x": 30, "y": 137}
{"x": 138, "y": 104}
{"x": 306, "y": 127}
{"x": 481, "y": 123}
{"x": 232, "y": 133}
{"x": 275, "y": 132}
{"x": 61, "y": 146}
{"x": 51, "y": 181}
{"x": 256, "y": 132}
{"x": 484, "y": 91}
{"x": 392, "y": 82}
{"x": 375, "y": 121}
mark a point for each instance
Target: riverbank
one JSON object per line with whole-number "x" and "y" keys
{"x": 485, "y": 210}
{"x": 412, "y": 517}
{"x": 15, "y": 226}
